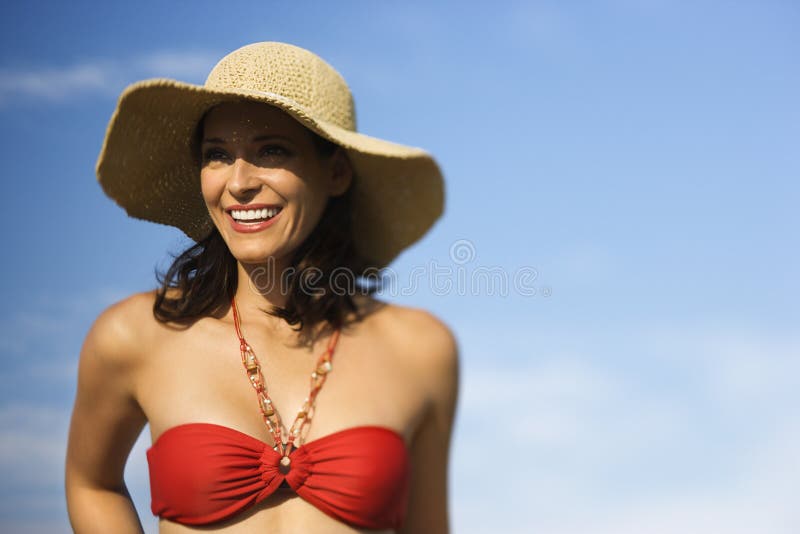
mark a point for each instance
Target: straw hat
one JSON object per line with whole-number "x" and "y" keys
{"x": 147, "y": 164}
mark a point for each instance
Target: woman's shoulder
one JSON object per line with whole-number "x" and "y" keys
{"x": 416, "y": 324}
{"x": 423, "y": 338}
{"x": 124, "y": 327}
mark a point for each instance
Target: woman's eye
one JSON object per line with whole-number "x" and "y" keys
{"x": 213, "y": 154}
{"x": 268, "y": 151}
{"x": 273, "y": 150}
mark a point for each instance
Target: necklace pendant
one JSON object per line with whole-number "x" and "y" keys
{"x": 285, "y": 465}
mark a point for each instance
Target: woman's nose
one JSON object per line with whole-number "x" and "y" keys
{"x": 243, "y": 177}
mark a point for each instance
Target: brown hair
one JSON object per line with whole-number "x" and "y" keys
{"x": 207, "y": 271}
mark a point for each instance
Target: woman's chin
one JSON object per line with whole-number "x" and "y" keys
{"x": 254, "y": 256}
{"x": 249, "y": 250}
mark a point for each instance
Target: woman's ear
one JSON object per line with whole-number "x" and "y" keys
{"x": 342, "y": 173}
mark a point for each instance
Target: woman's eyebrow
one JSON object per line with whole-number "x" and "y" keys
{"x": 256, "y": 139}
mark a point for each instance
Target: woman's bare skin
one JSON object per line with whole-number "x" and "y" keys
{"x": 397, "y": 368}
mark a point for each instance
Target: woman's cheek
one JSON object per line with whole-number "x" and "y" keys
{"x": 210, "y": 186}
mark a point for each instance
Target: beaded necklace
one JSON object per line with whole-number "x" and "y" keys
{"x": 268, "y": 411}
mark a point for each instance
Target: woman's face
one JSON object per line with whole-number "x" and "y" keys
{"x": 256, "y": 156}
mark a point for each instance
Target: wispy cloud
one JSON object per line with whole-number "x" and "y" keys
{"x": 32, "y": 438}
{"x": 55, "y": 83}
{"x": 176, "y": 64}
{"x": 46, "y": 319}
{"x": 698, "y": 435}
{"x": 33, "y": 441}
{"x": 101, "y": 76}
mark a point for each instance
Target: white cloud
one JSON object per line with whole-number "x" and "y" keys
{"x": 101, "y": 76}
{"x": 651, "y": 431}
{"x": 55, "y": 83}
{"x": 33, "y": 443}
{"x": 176, "y": 64}
{"x": 48, "y": 318}
{"x": 33, "y": 435}
{"x": 32, "y": 438}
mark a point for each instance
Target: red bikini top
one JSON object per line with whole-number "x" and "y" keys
{"x": 202, "y": 473}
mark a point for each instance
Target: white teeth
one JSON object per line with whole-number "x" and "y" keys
{"x": 246, "y": 215}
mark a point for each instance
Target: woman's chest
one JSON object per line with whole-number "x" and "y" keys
{"x": 197, "y": 375}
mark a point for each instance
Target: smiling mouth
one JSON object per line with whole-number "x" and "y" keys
{"x": 254, "y": 216}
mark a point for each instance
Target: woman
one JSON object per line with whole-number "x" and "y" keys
{"x": 293, "y": 211}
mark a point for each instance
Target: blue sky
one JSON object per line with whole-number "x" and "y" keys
{"x": 639, "y": 157}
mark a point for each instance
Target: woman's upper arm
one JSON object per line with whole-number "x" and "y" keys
{"x": 430, "y": 450}
{"x": 106, "y": 418}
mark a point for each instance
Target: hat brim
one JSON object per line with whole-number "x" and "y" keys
{"x": 146, "y": 165}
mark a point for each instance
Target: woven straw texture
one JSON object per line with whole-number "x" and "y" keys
{"x": 147, "y": 165}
